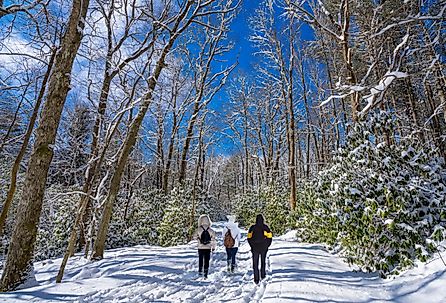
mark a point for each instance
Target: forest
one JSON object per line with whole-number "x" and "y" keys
{"x": 122, "y": 121}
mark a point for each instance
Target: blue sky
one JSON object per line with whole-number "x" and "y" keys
{"x": 240, "y": 32}
{"x": 244, "y": 52}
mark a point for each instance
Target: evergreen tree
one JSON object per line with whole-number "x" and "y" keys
{"x": 271, "y": 201}
{"x": 383, "y": 204}
{"x": 174, "y": 228}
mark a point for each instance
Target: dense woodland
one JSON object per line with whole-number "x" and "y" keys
{"x": 121, "y": 121}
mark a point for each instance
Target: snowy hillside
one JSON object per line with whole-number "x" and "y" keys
{"x": 296, "y": 273}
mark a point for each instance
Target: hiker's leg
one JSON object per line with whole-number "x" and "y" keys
{"x": 207, "y": 256}
{"x": 200, "y": 260}
{"x": 228, "y": 256}
{"x": 234, "y": 252}
{"x": 263, "y": 265}
{"x": 255, "y": 265}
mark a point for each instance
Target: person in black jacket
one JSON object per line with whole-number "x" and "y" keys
{"x": 259, "y": 238}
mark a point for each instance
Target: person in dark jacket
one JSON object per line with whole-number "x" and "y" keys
{"x": 259, "y": 238}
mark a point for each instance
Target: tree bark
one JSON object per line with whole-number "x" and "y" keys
{"x": 292, "y": 128}
{"x": 189, "y": 134}
{"x": 413, "y": 110}
{"x": 18, "y": 267}
{"x": 436, "y": 126}
{"x": 347, "y": 53}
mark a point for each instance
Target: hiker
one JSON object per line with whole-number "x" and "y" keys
{"x": 231, "y": 240}
{"x": 205, "y": 236}
{"x": 259, "y": 238}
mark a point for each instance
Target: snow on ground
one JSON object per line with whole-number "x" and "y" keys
{"x": 295, "y": 273}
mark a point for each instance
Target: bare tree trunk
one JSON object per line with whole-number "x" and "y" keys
{"x": 263, "y": 148}
{"x": 307, "y": 116}
{"x": 199, "y": 160}
{"x": 189, "y": 135}
{"x": 246, "y": 167}
{"x": 300, "y": 157}
{"x": 160, "y": 149}
{"x": 435, "y": 121}
{"x": 351, "y": 75}
{"x": 130, "y": 140}
{"x": 19, "y": 265}
{"x": 196, "y": 174}
{"x": 19, "y": 157}
{"x": 413, "y": 110}
{"x": 287, "y": 74}
{"x": 292, "y": 155}
{"x": 334, "y": 109}
{"x": 169, "y": 158}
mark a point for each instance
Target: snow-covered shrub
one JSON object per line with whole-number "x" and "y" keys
{"x": 5, "y": 171}
{"x": 58, "y": 215}
{"x": 276, "y": 210}
{"x": 271, "y": 201}
{"x": 135, "y": 222}
{"x": 208, "y": 204}
{"x": 177, "y": 221}
{"x": 316, "y": 217}
{"x": 247, "y": 206}
{"x": 147, "y": 211}
{"x": 383, "y": 204}
{"x": 182, "y": 212}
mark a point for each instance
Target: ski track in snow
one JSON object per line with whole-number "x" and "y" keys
{"x": 295, "y": 273}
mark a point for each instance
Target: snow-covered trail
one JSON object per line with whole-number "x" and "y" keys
{"x": 296, "y": 273}
{"x": 311, "y": 274}
{"x": 176, "y": 278}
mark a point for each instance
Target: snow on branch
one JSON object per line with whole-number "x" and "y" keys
{"x": 380, "y": 88}
{"x": 16, "y": 8}
{"x": 440, "y": 16}
{"x": 334, "y": 97}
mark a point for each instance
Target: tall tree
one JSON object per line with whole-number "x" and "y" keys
{"x": 279, "y": 53}
{"x": 188, "y": 13}
{"x": 18, "y": 267}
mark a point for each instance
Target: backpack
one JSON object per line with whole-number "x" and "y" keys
{"x": 205, "y": 237}
{"x": 229, "y": 241}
